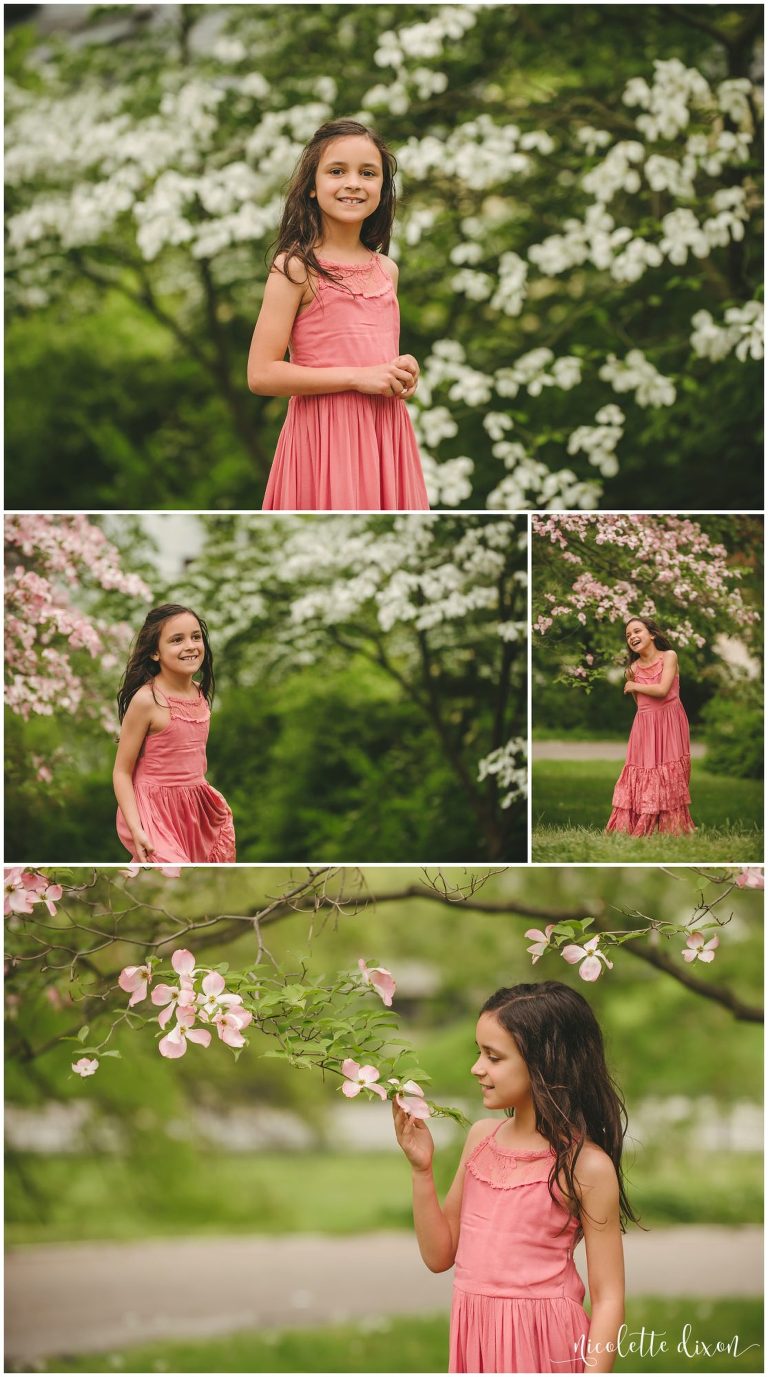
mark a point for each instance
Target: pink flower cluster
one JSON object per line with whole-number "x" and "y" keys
{"x": 673, "y": 555}
{"x": 590, "y": 959}
{"x": 192, "y": 1001}
{"x": 408, "y": 1095}
{"x": 751, "y": 877}
{"x": 25, "y": 888}
{"x": 44, "y": 624}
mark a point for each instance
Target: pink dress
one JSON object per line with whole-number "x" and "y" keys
{"x": 517, "y": 1299}
{"x": 347, "y": 451}
{"x": 185, "y": 819}
{"x": 652, "y": 792}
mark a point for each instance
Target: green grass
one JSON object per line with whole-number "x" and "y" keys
{"x": 59, "y": 1199}
{"x": 572, "y": 803}
{"x": 416, "y": 1344}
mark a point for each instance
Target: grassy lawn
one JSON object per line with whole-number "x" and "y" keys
{"x": 63, "y": 1198}
{"x": 572, "y": 803}
{"x": 408, "y": 1344}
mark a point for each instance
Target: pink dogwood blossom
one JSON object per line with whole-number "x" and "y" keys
{"x": 86, "y": 1066}
{"x": 540, "y": 943}
{"x": 174, "y": 1044}
{"x": 25, "y": 888}
{"x": 751, "y": 877}
{"x": 176, "y": 997}
{"x": 410, "y": 1097}
{"x": 591, "y": 958}
{"x": 380, "y": 979}
{"x": 360, "y": 1078}
{"x": 697, "y": 949}
{"x": 135, "y": 981}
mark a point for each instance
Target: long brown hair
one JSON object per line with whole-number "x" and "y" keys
{"x": 142, "y": 669}
{"x": 657, "y": 636}
{"x": 574, "y": 1097}
{"x": 301, "y": 225}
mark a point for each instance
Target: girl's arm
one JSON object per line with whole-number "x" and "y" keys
{"x": 136, "y": 724}
{"x": 668, "y": 673}
{"x": 600, "y": 1221}
{"x": 270, "y": 374}
{"x": 437, "y": 1230}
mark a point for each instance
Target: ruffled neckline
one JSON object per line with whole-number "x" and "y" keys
{"x": 348, "y": 267}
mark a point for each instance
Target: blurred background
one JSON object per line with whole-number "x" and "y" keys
{"x": 370, "y": 678}
{"x": 213, "y": 1214}
{"x": 579, "y": 241}
{"x": 701, "y": 579}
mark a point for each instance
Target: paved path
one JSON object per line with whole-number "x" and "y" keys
{"x": 83, "y": 1297}
{"x": 593, "y": 750}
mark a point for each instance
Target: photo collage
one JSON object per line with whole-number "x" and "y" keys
{"x": 384, "y": 665}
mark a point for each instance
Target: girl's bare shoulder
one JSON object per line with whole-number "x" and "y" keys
{"x": 669, "y": 657}
{"x": 390, "y": 267}
{"x": 593, "y": 1167}
{"x": 142, "y": 703}
{"x": 480, "y": 1130}
{"x": 290, "y": 267}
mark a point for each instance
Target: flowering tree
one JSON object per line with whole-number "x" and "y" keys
{"x": 592, "y": 573}
{"x": 437, "y": 603}
{"x": 599, "y": 238}
{"x": 57, "y": 655}
{"x": 68, "y": 934}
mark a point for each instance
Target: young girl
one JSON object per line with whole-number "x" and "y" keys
{"x": 347, "y": 442}
{"x": 167, "y": 812}
{"x": 652, "y": 792}
{"x": 527, "y": 1189}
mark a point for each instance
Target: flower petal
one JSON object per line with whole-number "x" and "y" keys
{"x": 350, "y": 1068}
{"x": 183, "y": 961}
{"x": 351, "y": 1088}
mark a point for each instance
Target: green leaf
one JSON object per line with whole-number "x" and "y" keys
{"x": 111, "y": 1053}
{"x": 82, "y": 1035}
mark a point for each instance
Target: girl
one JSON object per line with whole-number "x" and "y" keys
{"x": 651, "y": 793}
{"x": 527, "y": 1189}
{"x": 347, "y": 442}
{"x": 167, "y": 812}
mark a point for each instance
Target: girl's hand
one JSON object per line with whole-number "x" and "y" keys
{"x": 395, "y": 379}
{"x": 414, "y": 1138}
{"x": 630, "y": 687}
{"x": 142, "y": 846}
{"x": 408, "y": 361}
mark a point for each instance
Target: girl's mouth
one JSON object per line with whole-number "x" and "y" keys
{"x": 351, "y": 200}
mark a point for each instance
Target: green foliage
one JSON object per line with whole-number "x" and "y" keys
{"x": 415, "y": 1343}
{"x": 733, "y": 731}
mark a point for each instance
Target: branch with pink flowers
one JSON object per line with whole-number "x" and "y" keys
{"x": 330, "y": 1025}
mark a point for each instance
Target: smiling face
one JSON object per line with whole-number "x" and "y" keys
{"x": 639, "y": 638}
{"x": 349, "y": 179}
{"x": 180, "y": 647}
{"x": 500, "y": 1069}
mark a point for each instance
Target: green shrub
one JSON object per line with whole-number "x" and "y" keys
{"x": 733, "y": 731}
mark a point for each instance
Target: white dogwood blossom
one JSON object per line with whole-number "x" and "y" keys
{"x": 599, "y": 442}
{"x": 742, "y": 333}
{"x": 635, "y": 373}
{"x": 508, "y": 764}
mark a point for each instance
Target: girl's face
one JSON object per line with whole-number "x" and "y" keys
{"x": 638, "y": 637}
{"x": 180, "y": 648}
{"x": 500, "y": 1069}
{"x": 349, "y": 179}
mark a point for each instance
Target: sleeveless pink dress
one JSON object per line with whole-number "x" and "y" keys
{"x": 652, "y": 793}
{"x": 517, "y": 1298}
{"x": 185, "y": 819}
{"x": 347, "y": 451}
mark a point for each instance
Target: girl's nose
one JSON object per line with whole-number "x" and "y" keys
{"x": 475, "y": 1070}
